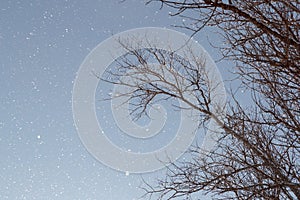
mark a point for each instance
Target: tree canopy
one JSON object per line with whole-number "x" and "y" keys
{"x": 258, "y": 152}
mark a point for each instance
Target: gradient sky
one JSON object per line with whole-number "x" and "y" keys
{"x": 42, "y": 44}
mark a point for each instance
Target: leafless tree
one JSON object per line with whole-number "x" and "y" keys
{"x": 258, "y": 152}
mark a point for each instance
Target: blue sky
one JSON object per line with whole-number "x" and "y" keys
{"x": 42, "y": 44}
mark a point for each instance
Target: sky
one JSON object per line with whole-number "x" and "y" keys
{"x": 42, "y": 45}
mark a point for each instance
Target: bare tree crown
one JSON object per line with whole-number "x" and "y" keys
{"x": 258, "y": 154}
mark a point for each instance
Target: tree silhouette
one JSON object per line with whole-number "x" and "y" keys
{"x": 258, "y": 152}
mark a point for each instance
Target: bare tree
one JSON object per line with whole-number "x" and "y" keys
{"x": 258, "y": 153}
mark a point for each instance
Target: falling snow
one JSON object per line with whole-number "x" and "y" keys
{"x": 42, "y": 45}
